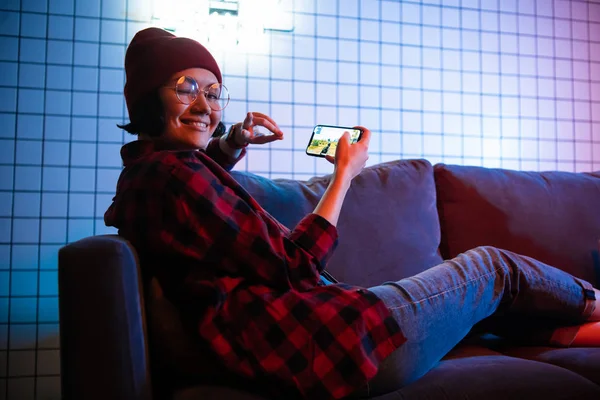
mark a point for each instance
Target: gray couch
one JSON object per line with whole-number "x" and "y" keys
{"x": 121, "y": 339}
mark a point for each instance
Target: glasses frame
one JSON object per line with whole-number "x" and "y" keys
{"x": 205, "y": 92}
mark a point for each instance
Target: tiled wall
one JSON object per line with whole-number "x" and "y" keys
{"x": 503, "y": 83}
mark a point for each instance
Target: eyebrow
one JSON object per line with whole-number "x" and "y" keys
{"x": 174, "y": 81}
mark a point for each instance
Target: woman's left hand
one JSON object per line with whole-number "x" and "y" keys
{"x": 244, "y": 133}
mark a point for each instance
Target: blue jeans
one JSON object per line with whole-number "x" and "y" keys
{"x": 437, "y": 308}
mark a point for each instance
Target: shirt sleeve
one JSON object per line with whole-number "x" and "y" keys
{"x": 213, "y": 150}
{"x": 205, "y": 220}
{"x": 317, "y": 236}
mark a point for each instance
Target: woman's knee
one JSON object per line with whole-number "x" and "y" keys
{"x": 483, "y": 254}
{"x": 486, "y": 250}
{"x": 490, "y": 258}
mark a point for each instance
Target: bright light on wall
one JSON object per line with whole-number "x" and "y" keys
{"x": 225, "y": 24}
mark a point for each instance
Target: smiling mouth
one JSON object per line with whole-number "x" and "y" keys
{"x": 195, "y": 124}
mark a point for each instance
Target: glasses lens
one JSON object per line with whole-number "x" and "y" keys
{"x": 217, "y": 96}
{"x": 187, "y": 89}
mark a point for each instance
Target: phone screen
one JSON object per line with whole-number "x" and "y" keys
{"x": 324, "y": 139}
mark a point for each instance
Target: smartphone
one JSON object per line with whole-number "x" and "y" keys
{"x": 324, "y": 139}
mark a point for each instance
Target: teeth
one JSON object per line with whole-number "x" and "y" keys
{"x": 197, "y": 124}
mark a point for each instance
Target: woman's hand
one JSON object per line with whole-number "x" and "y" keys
{"x": 350, "y": 159}
{"x": 244, "y": 133}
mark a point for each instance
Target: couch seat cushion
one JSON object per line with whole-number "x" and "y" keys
{"x": 551, "y": 216}
{"x": 464, "y": 376}
{"x": 583, "y": 361}
{"x": 388, "y": 227}
{"x": 497, "y": 377}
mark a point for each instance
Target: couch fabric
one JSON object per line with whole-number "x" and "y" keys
{"x": 389, "y": 228}
{"x": 551, "y": 216}
{"x": 103, "y": 344}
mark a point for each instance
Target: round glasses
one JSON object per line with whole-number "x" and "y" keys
{"x": 187, "y": 91}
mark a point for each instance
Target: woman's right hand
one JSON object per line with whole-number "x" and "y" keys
{"x": 247, "y": 132}
{"x": 350, "y": 159}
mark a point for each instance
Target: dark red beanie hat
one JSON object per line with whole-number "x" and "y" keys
{"x": 154, "y": 55}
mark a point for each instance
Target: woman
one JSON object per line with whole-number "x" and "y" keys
{"x": 254, "y": 289}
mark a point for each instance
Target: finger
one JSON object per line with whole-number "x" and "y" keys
{"x": 264, "y": 139}
{"x": 345, "y": 137}
{"x": 329, "y": 158}
{"x": 343, "y": 143}
{"x": 248, "y": 121}
{"x": 247, "y": 135}
{"x": 366, "y": 134}
{"x": 268, "y": 124}
{"x": 265, "y": 116}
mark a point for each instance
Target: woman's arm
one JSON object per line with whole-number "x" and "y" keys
{"x": 349, "y": 161}
{"x": 330, "y": 205}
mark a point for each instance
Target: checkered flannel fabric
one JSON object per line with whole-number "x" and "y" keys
{"x": 253, "y": 283}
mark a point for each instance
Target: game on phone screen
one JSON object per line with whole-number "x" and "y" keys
{"x": 324, "y": 139}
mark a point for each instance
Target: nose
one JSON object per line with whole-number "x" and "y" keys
{"x": 201, "y": 105}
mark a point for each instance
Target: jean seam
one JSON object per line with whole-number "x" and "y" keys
{"x": 447, "y": 290}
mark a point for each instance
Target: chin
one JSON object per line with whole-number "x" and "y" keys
{"x": 202, "y": 145}
{"x": 193, "y": 145}
{"x": 199, "y": 142}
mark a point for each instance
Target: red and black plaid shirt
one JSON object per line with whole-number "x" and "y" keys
{"x": 260, "y": 306}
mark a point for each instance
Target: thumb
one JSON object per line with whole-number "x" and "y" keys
{"x": 247, "y": 121}
{"x": 345, "y": 138}
{"x": 343, "y": 143}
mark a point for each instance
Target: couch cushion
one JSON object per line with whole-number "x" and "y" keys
{"x": 490, "y": 377}
{"x": 388, "y": 226}
{"x": 98, "y": 297}
{"x": 584, "y": 361}
{"x": 496, "y": 378}
{"x": 551, "y": 216}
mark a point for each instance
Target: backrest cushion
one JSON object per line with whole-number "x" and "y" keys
{"x": 388, "y": 226}
{"x": 102, "y": 325}
{"x": 551, "y": 216}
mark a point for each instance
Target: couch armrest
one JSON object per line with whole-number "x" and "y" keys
{"x": 102, "y": 326}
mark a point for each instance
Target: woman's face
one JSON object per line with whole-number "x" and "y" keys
{"x": 188, "y": 126}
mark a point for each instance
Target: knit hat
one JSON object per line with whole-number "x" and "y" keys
{"x": 154, "y": 55}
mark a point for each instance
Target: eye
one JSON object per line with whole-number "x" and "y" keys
{"x": 185, "y": 84}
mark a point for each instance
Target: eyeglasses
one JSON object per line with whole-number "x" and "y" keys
{"x": 187, "y": 91}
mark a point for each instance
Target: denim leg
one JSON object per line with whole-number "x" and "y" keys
{"x": 437, "y": 308}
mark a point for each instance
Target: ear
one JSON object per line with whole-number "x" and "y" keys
{"x": 219, "y": 130}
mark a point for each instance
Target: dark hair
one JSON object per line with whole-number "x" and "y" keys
{"x": 148, "y": 117}
{"x": 219, "y": 130}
